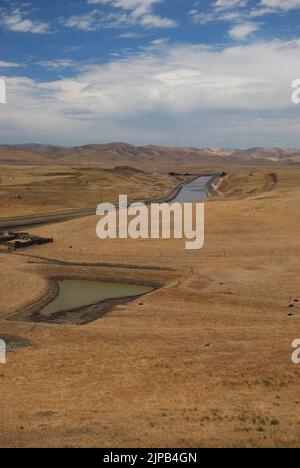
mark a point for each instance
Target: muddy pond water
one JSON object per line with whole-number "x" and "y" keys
{"x": 76, "y": 293}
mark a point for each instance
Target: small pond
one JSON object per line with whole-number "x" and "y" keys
{"x": 76, "y": 293}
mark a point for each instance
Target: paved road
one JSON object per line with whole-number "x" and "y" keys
{"x": 22, "y": 222}
{"x": 182, "y": 191}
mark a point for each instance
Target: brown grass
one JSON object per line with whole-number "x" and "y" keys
{"x": 31, "y": 190}
{"x": 204, "y": 361}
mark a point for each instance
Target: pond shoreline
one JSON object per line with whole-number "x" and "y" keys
{"x": 81, "y": 315}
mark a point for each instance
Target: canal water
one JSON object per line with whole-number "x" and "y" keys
{"x": 193, "y": 191}
{"x": 77, "y": 293}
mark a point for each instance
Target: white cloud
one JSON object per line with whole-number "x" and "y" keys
{"x": 188, "y": 94}
{"x": 269, "y": 7}
{"x": 202, "y": 18}
{"x": 243, "y": 30}
{"x": 95, "y": 19}
{"x": 58, "y": 64}
{"x": 221, "y": 10}
{"x": 4, "y": 64}
{"x": 229, "y": 4}
{"x": 281, "y": 4}
{"x": 17, "y": 21}
{"x": 240, "y": 27}
{"x": 155, "y": 21}
{"x": 237, "y": 11}
{"x": 140, "y": 6}
{"x": 130, "y": 35}
{"x": 126, "y": 13}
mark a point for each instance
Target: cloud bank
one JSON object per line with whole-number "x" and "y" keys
{"x": 183, "y": 94}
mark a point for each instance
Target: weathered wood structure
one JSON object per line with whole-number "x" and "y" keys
{"x": 11, "y": 241}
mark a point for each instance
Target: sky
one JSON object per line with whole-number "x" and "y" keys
{"x": 197, "y": 73}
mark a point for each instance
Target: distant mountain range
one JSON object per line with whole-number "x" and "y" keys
{"x": 144, "y": 156}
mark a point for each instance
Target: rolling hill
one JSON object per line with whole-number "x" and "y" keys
{"x": 145, "y": 157}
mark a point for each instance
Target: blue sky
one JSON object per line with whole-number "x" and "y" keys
{"x": 174, "y": 72}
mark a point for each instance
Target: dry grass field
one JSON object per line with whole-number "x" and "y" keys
{"x": 203, "y": 361}
{"x": 31, "y": 190}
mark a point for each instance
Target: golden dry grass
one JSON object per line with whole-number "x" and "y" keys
{"x": 32, "y": 190}
{"x": 203, "y": 363}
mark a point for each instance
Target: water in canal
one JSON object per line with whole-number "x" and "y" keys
{"x": 76, "y": 293}
{"x": 193, "y": 191}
